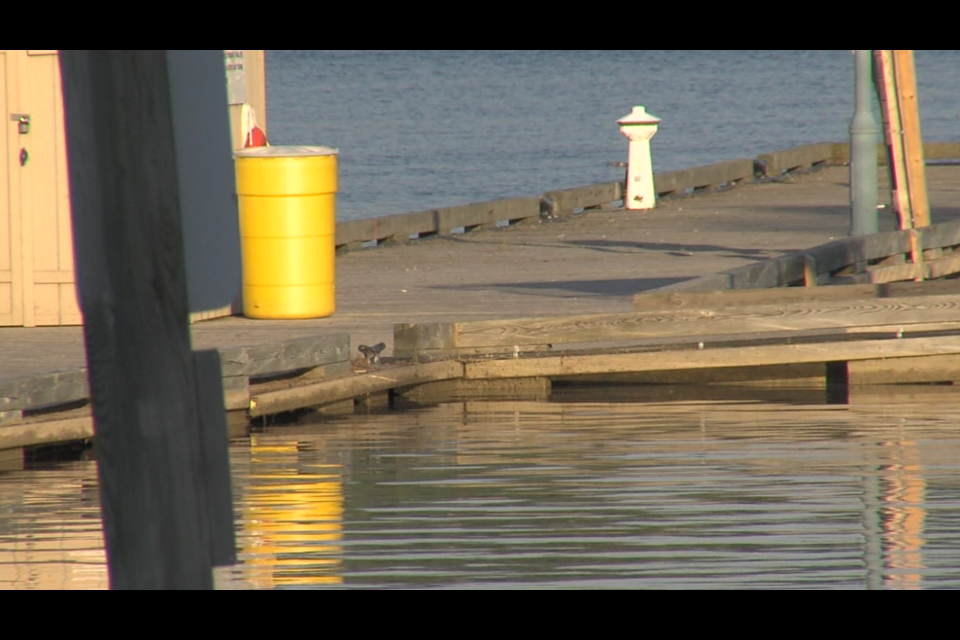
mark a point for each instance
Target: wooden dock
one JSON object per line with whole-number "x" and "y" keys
{"x": 492, "y": 293}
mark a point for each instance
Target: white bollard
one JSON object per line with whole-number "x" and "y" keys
{"x": 639, "y": 126}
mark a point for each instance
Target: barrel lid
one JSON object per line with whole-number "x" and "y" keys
{"x": 285, "y": 152}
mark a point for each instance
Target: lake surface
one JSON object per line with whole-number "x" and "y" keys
{"x": 424, "y": 129}
{"x": 759, "y": 489}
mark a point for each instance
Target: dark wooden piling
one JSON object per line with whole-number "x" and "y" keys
{"x": 132, "y": 288}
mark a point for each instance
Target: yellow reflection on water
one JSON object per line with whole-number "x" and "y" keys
{"x": 291, "y": 521}
{"x": 904, "y": 494}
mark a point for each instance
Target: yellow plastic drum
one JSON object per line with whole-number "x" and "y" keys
{"x": 287, "y": 230}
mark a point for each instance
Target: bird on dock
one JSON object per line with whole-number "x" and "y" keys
{"x": 372, "y": 354}
{"x": 548, "y": 208}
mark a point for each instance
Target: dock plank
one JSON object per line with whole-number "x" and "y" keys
{"x": 345, "y": 388}
{"x": 46, "y": 432}
{"x": 44, "y": 390}
{"x": 724, "y": 299}
{"x": 289, "y": 355}
{"x": 741, "y": 356}
{"x": 823, "y": 314}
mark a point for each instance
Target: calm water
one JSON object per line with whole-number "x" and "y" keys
{"x": 748, "y": 492}
{"x": 423, "y": 129}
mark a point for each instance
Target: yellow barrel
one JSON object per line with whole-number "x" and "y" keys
{"x": 287, "y": 230}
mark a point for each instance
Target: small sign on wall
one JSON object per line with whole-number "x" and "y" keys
{"x": 236, "y": 76}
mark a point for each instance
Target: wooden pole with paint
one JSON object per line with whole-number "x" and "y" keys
{"x": 909, "y": 108}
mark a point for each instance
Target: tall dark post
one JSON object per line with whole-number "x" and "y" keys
{"x": 863, "y": 151}
{"x": 132, "y": 289}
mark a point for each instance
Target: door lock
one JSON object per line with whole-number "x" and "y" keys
{"x": 23, "y": 122}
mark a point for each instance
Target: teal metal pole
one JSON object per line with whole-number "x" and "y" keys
{"x": 863, "y": 151}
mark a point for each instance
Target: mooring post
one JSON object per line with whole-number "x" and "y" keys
{"x": 639, "y": 126}
{"x": 132, "y": 289}
{"x": 864, "y": 134}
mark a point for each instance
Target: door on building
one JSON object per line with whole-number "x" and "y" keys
{"x": 37, "y": 285}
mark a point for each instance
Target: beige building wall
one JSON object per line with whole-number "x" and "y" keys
{"x": 36, "y": 245}
{"x": 37, "y": 285}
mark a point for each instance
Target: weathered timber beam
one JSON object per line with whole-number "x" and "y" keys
{"x": 568, "y": 365}
{"x": 821, "y": 314}
{"x": 829, "y": 258}
{"x": 929, "y": 269}
{"x": 46, "y": 432}
{"x": 803, "y": 157}
{"x": 44, "y": 390}
{"x": 400, "y": 227}
{"x": 351, "y": 387}
{"x": 289, "y": 355}
{"x": 593, "y": 195}
{"x": 678, "y": 300}
{"x": 697, "y": 178}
